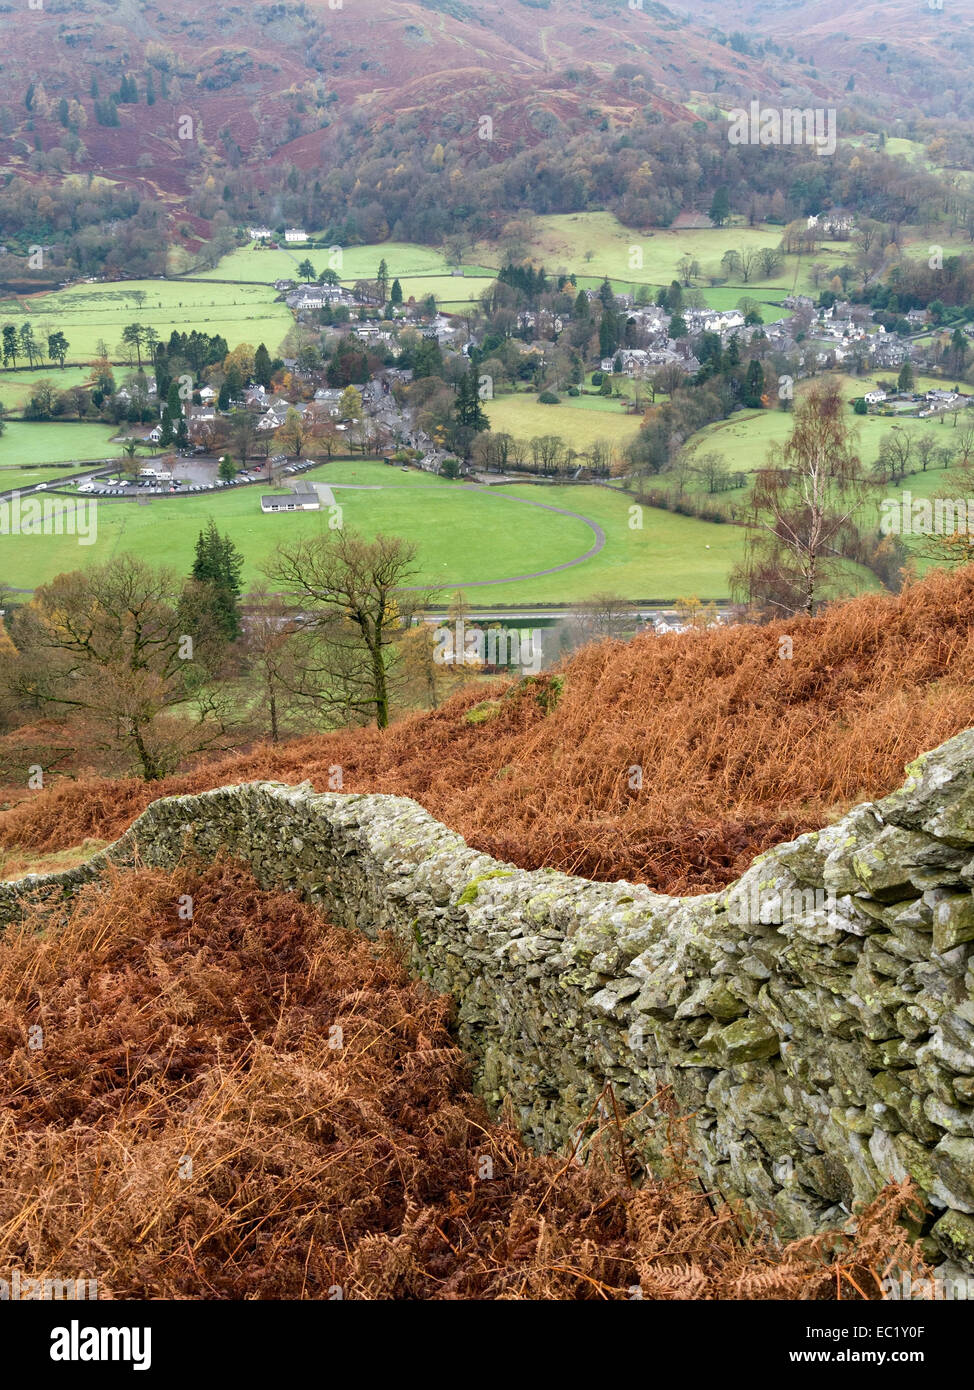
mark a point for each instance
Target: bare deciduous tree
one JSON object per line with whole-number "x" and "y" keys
{"x": 803, "y": 505}
{"x": 351, "y": 598}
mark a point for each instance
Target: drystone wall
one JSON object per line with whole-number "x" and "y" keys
{"x": 815, "y": 1021}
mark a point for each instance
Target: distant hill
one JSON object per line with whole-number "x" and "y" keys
{"x": 246, "y": 88}
{"x": 903, "y": 53}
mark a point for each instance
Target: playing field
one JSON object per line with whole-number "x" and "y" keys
{"x": 90, "y": 314}
{"x": 463, "y": 535}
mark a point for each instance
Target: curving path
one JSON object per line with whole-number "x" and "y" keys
{"x": 590, "y": 554}
{"x": 594, "y": 527}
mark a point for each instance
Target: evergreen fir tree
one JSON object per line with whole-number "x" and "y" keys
{"x": 468, "y": 407}
{"x": 218, "y": 566}
{"x": 262, "y": 366}
{"x": 753, "y": 385}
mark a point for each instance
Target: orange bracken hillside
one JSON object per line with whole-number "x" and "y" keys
{"x": 255, "y": 1104}
{"x": 739, "y": 747}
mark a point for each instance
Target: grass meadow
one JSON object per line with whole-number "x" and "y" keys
{"x": 463, "y": 535}
{"x": 89, "y": 314}
{"x": 26, "y": 443}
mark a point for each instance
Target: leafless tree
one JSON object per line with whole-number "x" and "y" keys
{"x": 354, "y": 601}
{"x": 803, "y": 506}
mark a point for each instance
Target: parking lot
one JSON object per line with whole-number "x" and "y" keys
{"x": 192, "y": 476}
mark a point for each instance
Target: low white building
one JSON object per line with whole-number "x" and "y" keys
{"x": 305, "y": 500}
{"x": 295, "y": 234}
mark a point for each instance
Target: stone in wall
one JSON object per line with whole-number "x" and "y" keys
{"x": 815, "y": 1021}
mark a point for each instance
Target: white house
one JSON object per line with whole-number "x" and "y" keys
{"x": 832, "y": 222}
{"x": 260, "y": 233}
{"x": 725, "y": 321}
{"x": 306, "y": 500}
{"x": 306, "y": 299}
{"x": 271, "y": 421}
{"x": 875, "y": 397}
{"x": 295, "y": 234}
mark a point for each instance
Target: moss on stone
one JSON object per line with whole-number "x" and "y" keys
{"x": 469, "y": 894}
{"x": 482, "y": 713}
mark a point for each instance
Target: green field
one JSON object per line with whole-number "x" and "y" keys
{"x": 563, "y": 241}
{"x": 28, "y": 478}
{"x": 744, "y": 441}
{"x": 580, "y": 420}
{"x": 15, "y": 387}
{"x": 447, "y": 522}
{"x": 259, "y": 265}
{"x": 920, "y": 247}
{"x": 366, "y": 473}
{"x": 744, "y": 438}
{"x": 43, "y": 443}
{"x": 452, "y": 292}
{"x": 422, "y": 270}
{"x": 463, "y": 535}
{"x": 89, "y": 313}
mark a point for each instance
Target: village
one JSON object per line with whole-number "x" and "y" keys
{"x": 302, "y": 412}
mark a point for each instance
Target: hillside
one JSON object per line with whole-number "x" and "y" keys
{"x": 216, "y": 90}
{"x": 258, "y": 1105}
{"x": 917, "y": 40}
{"x": 736, "y": 748}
